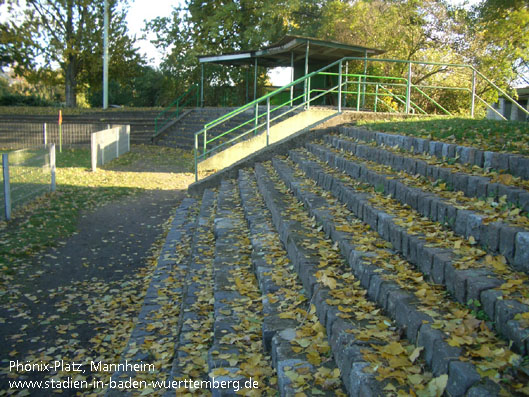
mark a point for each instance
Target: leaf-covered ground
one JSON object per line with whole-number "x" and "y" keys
{"x": 75, "y": 263}
{"x": 500, "y": 136}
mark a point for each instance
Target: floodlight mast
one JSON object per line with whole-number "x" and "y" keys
{"x": 105, "y": 57}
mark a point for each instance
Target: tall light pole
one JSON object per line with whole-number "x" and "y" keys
{"x": 105, "y": 57}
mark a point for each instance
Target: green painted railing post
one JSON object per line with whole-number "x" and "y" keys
{"x": 358, "y": 95}
{"x": 267, "y": 121}
{"x": 340, "y": 87}
{"x": 256, "y": 117}
{"x": 408, "y": 89}
{"x": 473, "y": 99}
{"x": 196, "y": 159}
{"x": 376, "y": 97}
{"x": 308, "y": 94}
{"x": 205, "y": 139}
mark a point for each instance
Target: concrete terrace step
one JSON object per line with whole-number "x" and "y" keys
{"x": 467, "y": 277}
{"x": 516, "y": 164}
{"x": 322, "y": 273}
{"x": 514, "y": 233}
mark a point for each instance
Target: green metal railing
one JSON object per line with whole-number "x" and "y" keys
{"x": 365, "y": 87}
{"x": 173, "y": 111}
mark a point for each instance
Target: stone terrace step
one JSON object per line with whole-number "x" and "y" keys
{"x": 474, "y": 280}
{"x": 160, "y": 312}
{"x": 515, "y": 164}
{"x": 422, "y": 321}
{"x": 498, "y": 237}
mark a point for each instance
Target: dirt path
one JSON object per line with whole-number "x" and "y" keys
{"x": 77, "y": 302}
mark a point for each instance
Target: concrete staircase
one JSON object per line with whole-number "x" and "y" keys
{"x": 181, "y": 133}
{"x": 359, "y": 264}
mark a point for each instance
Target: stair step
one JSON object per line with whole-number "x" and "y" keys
{"x": 430, "y": 327}
{"x": 467, "y": 273}
{"x": 291, "y": 330}
{"x": 151, "y": 340}
{"x": 515, "y": 164}
{"x": 466, "y": 217}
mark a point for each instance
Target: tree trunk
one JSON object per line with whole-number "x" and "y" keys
{"x": 70, "y": 83}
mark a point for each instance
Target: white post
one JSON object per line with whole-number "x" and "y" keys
{"x": 118, "y": 130}
{"x": 44, "y": 132}
{"x": 52, "y": 165}
{"x": 93, "y": 150}
{"x": 7, "y": 187}
{"x": 105, "y": 57}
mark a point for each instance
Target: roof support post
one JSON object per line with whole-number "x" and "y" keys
{"x": 344, "y": 103}
{"x": 291, "y": 76}
{"x": 365, "y": 79}
{"x": 247, "y": 83}
{"x": 255, "y": 81}
{"x": 306, "y": 70}
{"x": 202, "y": 85}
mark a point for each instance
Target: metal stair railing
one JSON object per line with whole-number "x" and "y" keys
{"x": 259, "y": 123}
{"x": 171, "y": 112}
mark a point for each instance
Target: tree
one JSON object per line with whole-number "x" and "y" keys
{"x": 68, "y": 33}
{"x": 217, "y": 26}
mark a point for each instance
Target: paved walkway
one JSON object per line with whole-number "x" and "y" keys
{"x": 77, "y": 302}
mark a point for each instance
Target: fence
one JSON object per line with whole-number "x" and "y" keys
{"x": 109, "y": 144}
{"x": 26, "y": 174}
{"x": 26, "y": 135}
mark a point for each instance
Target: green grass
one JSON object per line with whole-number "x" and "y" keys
{"x": 501, "y": 136}
{"x": 54, "y": 216}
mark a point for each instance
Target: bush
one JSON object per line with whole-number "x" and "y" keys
{"x": 9, "y": 99}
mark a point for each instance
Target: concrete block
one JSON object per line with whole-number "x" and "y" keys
{"x": 523, "y": 200}
{"x": 461, "y": 376}
{"x": 487, "y": 159}
{"x": 479, "y": 158}
{"x": 443, "y": 354}
{"x": 440, "y": 261}
{"x": 383, "y": 293}
{"x": 395, "y": 298}
{"x": 442, "y": 215}
{"x": 491, "y": 235}
{"x": 507, "y": 241}
{"x": 460, "y": 226}
{"x": 425, "y": 258}
{"x": 426, "y": 338}
{"x": 421, "y": 167}
{"x": 481, "y": 188}
{"x": 424, "y": 204}
{"x": 460, "y": 181}
{"x": 500, "y": 161}
{"x": 474, "y": 222}
{"x": 517, "y": 334}
{"x": 472, "y": 185}
{"x": 383, "y": 225}
{"x": 521, "y": 251}
{"x": 488, "y": 300}
{"x": 519, "y": 165}
{"x": 464, "y": 154}
{"x": 445, "y": 173}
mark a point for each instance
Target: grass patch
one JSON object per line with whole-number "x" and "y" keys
{"x": 494, "y": 135}
{"x": 52, "y": 217}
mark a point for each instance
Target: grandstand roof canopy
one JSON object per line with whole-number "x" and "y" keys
{"x": 292, "y": 48}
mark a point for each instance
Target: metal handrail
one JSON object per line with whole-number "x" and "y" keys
{"x": 306, "y": 98}
{"x": 179, "y": 106}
